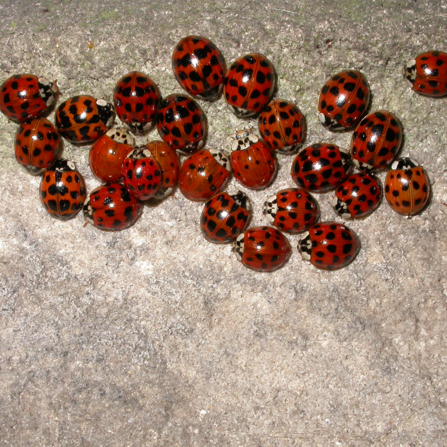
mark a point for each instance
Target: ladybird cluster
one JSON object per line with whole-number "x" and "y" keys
{"x": 133, "y": 174}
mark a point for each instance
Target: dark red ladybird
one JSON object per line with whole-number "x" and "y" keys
{"x": 108, "y": 153}
{"x": 181, "y": 123}
{"x": 36, "y": 145}
{"x": 142, "y": 174}
{"x": 199, "y": 67}
{"x": 321, "y": 167}
{"x": 376, "y": 141}
{"x": 225, "y": 217}
{"x": 282, "y": 126}
{"x": 62, "y": 190}
{"x": 292, "y": 210}
{"x": 112, "y": 208}
{"x": 204, "y": 174}
{"x": 344, "y": 99}
{"x": 329, "y": 245}
{"x": 427, "y": 74}
{"x": 263, "y": 249}
{"x": 358, "y": 196}
{"x": 169, "y": 164}
{"x": 249, "y": 84}
{"x": 83, "y": 119}
{"x": 407, "y": 187}
{"x": 136, "y": 98}
{"x": 254, "y": 164}
{"x": 25, "y": 96}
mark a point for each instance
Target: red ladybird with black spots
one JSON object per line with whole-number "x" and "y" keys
{"x": 321, "y": 167}
{"x": 112, "y": 208}
{"x": 254, "y": 164}
{"x": 225, "y": 217}
{"x": 83, "y": 119}
{"x": 407, "y": 187}
{"x": 204, "y": 174}
{"x": 427, "y": 74}
{"x": 329, "y": 245}
{"x": 343, "y": 100}
{"x": 136, "y": 98}
{"x": 62, "y": 190}
{"x": 108, "y": 154}
{"x": 376, "y": 141}
{"x": 25, "y": 96}
{"x": 181, "y": 123}
{"x": 292, "y": 210}
{"x": 168, "y": 161}
{"x": 141, "y": 173}
{"x": 36, "y": 145}
{"x": 199, "y": 67}
{"x": 264, "y": 249}
{"x": 282, "y": 126}
{"x": 249, "y": 84}
{"x": 358, "y": 196}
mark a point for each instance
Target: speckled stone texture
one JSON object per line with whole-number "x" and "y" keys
{"x": 154, "y": 337}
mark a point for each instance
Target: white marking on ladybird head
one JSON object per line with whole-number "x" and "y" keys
{"x": 238, "y": 246}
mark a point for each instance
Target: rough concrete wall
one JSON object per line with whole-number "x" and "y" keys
{"x": 152, "y": 336}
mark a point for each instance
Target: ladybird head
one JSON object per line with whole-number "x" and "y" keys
{"x": 243, "y": 139}
{"x": 341, "y": 208}
{"x": 329, "y": 123}
{"x": 48, "y": 90}
{"x": 64, "y": 165}
{"x": 88, "y": 211}
{"x": 238, "y": 246}
{"x": 242, "y": 200}
{"x": 271, "y": 208}
{"x": 139, "y": 128}
{"x": 106, "y": 112}
{"x": 404, "y": 164}
{"x": 140, "y": 152}
{"x": 222, "y": 157}
{"x": 346, "y": 159}
{"x": 305, "y": 246}
{"x": 121, "y": 135}
{"x": 409, "y": 71}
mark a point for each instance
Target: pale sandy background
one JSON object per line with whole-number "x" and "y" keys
{"x": 154, "y": 337}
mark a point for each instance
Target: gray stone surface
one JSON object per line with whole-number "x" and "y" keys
{"x": 152, "y": 336}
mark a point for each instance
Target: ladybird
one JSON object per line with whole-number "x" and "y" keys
{"x": 108, "y": 153}
{"x": 181, "y": 123}
{"x": 169, "y": 164}
{"x": 254, "y": 164}
{"x": 427, "y": 74}
{"x": 112, "y": 208}
{"x": 321, "y": 167}
{"x": 292, "y": 210}
{"x": 343, "y": 100}
{"x": 204, "y": 174}
{"x": 376, "y": 141}
{"x": 25, "y": 96}
{"x": 62, "y": 190}
{"x": 199, "y": 67}
{"x": 224, "y": 217}
{"x": 282, "y": 126}
{"x": 136, "y": 98}
{"x": 83, "y": 119}
{"x": 407, "y": 187}
{"x": 142, "y": 174}
{"x": 329, "y": 245}
{"x": 263, "y": 249}
{"x": 37, "y": 145}
{"x": 249, "y": 84}
{"x": 358, "y": 196}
